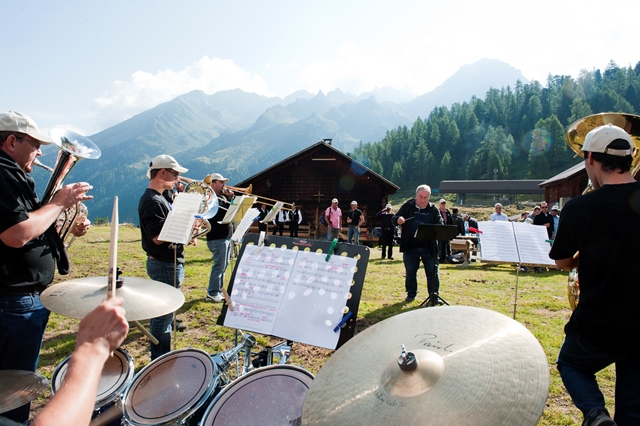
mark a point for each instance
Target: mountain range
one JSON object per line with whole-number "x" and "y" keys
{"x": 239, "y": 134}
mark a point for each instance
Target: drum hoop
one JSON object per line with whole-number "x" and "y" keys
{"x": 238, "y": 383}
{"x": 180, "y": 413}
{"x": 116, "y": 389}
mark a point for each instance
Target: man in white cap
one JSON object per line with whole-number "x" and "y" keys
{"x": 604, "y": 328}
{"x": 153, "y": 209}
{"x": 354, "y": 220}
{"x": 333, "y": 216}
{"x": 219, "y": 239}
{"x": 29, "y": 245}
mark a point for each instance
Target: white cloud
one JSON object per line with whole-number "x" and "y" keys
{"x": 145, "y": 90}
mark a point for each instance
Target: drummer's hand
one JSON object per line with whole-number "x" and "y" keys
{"x": 104, "y": 328}
{"x": 81, "y": 228}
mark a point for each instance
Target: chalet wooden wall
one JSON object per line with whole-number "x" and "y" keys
{"x": 313, "y": 177}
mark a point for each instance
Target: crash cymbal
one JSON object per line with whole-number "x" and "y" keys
{"x": 143, "y": 298}
{"x": 18, "y": 387}
{"x": 465, "y": 366}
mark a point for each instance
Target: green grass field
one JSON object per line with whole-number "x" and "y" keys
{"x": 542, "y": 307}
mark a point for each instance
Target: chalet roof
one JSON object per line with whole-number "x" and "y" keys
{"x": 567, "y": 174}
{"x": 320, "y": 148}
{"x": 491, "y": 186}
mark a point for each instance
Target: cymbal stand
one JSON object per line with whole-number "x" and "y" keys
{"x": 434, "y": 298}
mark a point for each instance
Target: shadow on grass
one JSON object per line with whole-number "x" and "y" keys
{"x": 381, "y": 314}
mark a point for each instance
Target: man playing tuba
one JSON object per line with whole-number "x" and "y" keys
{"x": 30, "y": 247}
{"x": 597, "y": 234}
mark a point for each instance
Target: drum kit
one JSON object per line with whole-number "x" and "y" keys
{"x": 445, "y": 365}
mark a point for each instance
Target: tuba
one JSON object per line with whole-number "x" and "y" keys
{"x": 576, "y": 134}
{"x": 71, "y": 148}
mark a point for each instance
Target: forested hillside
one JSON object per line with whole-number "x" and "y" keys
{"x": 513, "y": 133}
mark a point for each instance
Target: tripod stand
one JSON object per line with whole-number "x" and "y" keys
{"x": 435, "y": 233}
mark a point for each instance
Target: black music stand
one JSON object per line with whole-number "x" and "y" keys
{"x": 434, "y": 233}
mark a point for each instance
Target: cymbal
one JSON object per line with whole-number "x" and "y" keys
{"x": 18, "y": 387}
{"x": 143, "y": 298}
{"x": 466, "y": 366}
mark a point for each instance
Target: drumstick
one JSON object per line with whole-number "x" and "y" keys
{"x": 227, "y": 299}
{"x": 113, "y": 251}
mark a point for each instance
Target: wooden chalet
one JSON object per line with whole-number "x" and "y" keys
{"x": 566, "y": 185}
{"x": 313, "y": 177}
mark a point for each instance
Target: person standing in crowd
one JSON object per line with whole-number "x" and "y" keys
{"x": 469, "y": 222}
{"x": 333, "y": 216}
{"x": 164, "y": 262}
{"x": 555, "y": 212}
{"x": 603, "y": 329}
{"x": 30, "y": 247}
{"x": 444, "y": 247}
{"x": 386, "y": 227}
{"x": 534, "y": 213}
{"x": 411, "y": 214}
{"x": 279, "y": 221}
{"x": 354, "y": 220}
{"x": 544, "y": 219}
{"x": 263, "y": 212}
{"x": 498, "y": 215}
{"x": 295, "y": 217}
{"x": 457, "y": 220}
{"x": 219, "y": 239}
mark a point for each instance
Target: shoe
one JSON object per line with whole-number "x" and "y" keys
{"x": 382, "y": 258}
{"x": 181, "y": 326}
{"x": 391, "y": 258}
{"x": 410, "y": 299}
{"x": 179, "y": 320}
{"x": 216, "y": 298}
{"x": 598, "y": 418}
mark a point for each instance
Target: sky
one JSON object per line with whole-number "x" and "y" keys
{"x": 86, "y": 66}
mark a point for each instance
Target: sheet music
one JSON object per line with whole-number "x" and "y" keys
{"x": 291, "y": 294}
{"x": 317, "y": 295}
{"x": 239, "y": 206}
{"x": 177, "y": 227}
{"x": 273, "y": 212}
{"x": 514, "y": 242}
{"x": 250, "y": 216}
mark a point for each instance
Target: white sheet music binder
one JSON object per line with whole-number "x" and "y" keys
{"x": 514, "y": 242}
{"x": 177, "y": 227}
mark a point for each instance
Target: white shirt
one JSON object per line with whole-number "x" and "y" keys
{"x": 499, "y": 216}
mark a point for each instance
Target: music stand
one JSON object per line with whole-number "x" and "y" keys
{"x": 434, "y": 232}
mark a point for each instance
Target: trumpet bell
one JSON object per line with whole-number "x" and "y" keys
{"x": 75, "y": 144}
{"x": 578, "y": 130}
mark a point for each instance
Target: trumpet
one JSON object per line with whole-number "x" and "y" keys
{"x": 71, "y": 148}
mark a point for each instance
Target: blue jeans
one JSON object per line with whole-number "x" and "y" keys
{"x": 411, "y": 258}
{"x": 220, "y": 251}
{"x": 353, "y": 234}
{"x": 23, "y": 320}
{"x": 160, "y": 327}
{"x": 579, "y": 361}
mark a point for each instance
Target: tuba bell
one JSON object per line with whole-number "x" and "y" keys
{"x": 71, "y": 148}
{"x": 576, "y": 134}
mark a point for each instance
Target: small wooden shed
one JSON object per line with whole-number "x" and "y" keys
{"x": 566, "y": 185}
{"x": 314, "y": 176}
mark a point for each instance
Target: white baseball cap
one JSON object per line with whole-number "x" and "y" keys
{"x": 14, "y": 121}
{"x": 354, "y": 203}
{"x": 599, "y": 138}
{"x": 335, "y": 200}
{"x": 218, "y": 176}
{"x": 165, "y": 162}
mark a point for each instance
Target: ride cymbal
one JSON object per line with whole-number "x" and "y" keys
{"x": 19, "y": 387}
{"x": 465, "y": 366}
{"x": 143, "y": 298}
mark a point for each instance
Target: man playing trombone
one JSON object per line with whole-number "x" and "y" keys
{"x": 219, "y": 239}
{"x": 30, "y": 246}
{"x": 164, "y": 263}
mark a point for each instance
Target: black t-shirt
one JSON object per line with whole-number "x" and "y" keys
{"x": 543, "y": 219}
{"x": 602, "y": 226}
{"x": 32, "y": 266}
{"x": 219, "y": 230}
{"x": 153, "y": 210}
{"x": 354, "y": 215}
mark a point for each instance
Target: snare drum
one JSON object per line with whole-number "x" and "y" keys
{"x": 171, "y": 390}
{"x": 272, "y": 395}
{"x": 116, "y": 375}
